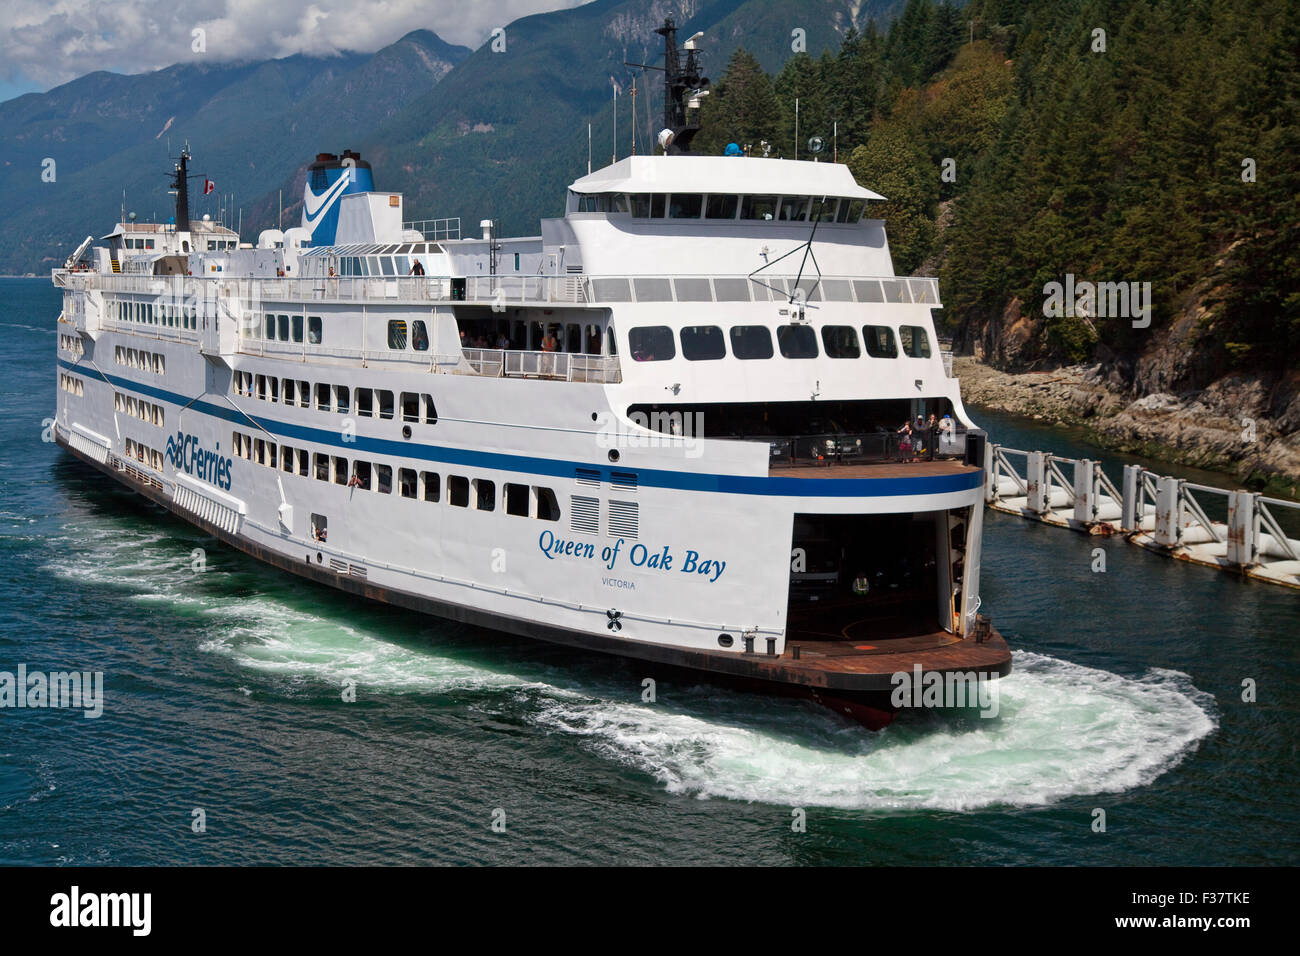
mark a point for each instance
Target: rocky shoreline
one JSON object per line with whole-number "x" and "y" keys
{"x": 1218, "y": 428}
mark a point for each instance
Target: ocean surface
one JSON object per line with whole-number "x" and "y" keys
{"x": 223, "y": 694}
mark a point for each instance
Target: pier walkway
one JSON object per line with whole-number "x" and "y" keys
{"x": 1232, "y": 530}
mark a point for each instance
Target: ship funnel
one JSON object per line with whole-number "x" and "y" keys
{"x": 329, "y": 179}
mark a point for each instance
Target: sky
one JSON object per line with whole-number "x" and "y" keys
{"x": 44, "y": 43}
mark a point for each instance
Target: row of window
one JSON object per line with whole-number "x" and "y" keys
{"x": 71, "y": 344}
{"x": 723, "y": 206}
{"x": 290, "y": 328}
{"x": 72, "y": 385}
{"x": 703, "y": 343}
{"x": 173, "y": 315}
{"x": 138, "y": 408}
{"x": 416, "y": 407}
{"x": 139, "y": 358}
{"x": 525, "y": 501}
{"x": 144, "y": 454}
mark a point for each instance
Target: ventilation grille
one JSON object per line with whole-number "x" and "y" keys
{"x": 623, "y": 520}
{"x": 87, "y": 447}
{"x": 584, "y": 514}
{"x": 587, "y": 476}
{"x": 622, "y": 480}
{"x": 209, "y": 509}
{"x": 338, "y": 566}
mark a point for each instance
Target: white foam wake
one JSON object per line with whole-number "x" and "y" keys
{"x": 1063, "y": 730}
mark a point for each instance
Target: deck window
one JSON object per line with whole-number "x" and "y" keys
{"x": 397, "y": 333}
{"x": 797, "y": 341}
{"x": 485, "y": 494}
{"x": 430, "y": 486}
{"x": 340, "y": 470}
{"x": 322, "y": 397}
{"x": 703, "y": 343}
{"x": 517, "y": 500}
{"x": 410, "y": 407}
{"x": 385, "y": 399}
{"x": 342, "y": 402}
{"x": 751, "y": 342}
{"x": 361, "y": 473}
{"x": 268, "y": 331}
{"x": 365, "y": 402}
{"x": 915, "y": 342}
{"x": 384, "y": 474}
{"x": 458, "y": 491}
{"x": 313, "y": 330}
{"x": 548, "y": 508}
{"x": 430, "y": 410}
{"x": 297, "y": 328}
{"x": 322, "y": 467}
{"x": 282, "y": 328}
{"x": 840, "y": 341}
{"x": 419, "y": 336}
{"x": 406, "y": 482}
{"x": 652, "y": 343}
{"x": 880, "y": 341}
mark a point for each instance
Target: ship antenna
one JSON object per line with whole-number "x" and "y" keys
{"x": 808, "y": 253}
{"x": 683, "y": 86}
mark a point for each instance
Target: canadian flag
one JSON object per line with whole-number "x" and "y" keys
{"x": 208, "y": 186}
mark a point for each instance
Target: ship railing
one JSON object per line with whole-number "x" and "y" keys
{"x": 858, "y": 448}
{"x": 564, "y": 366}
{"x": 152, "y": 330}
{"x": 576, "y": 289}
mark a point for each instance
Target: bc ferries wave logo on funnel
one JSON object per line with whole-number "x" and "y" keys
{"x": 330, "y": 178}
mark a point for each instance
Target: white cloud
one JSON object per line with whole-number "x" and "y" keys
{"x": 45, "y": 43}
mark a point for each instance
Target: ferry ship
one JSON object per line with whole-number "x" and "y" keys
{"x": 670, "y": 427}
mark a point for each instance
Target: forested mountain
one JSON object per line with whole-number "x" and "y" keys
{"x": 1163, "y": 151}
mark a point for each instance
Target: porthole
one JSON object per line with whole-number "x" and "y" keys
{"x": 406, "y": 431}
{"x": 725, "y": 640}
{"x": 320, "y": 558}
{"x": 613, "y": 454}
{"x": 594, "y": 416}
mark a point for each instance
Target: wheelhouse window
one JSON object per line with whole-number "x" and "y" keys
{"x": 652, "y": 343}
{"x": 721, "y": 207}
{"x": 758, "y": 207}
{"x": 880, "y": 341}
{"x": 751, "y": 342}
{"x": 794, "y": 208}
{"x": 797, "y": 341}
{"x": 850, "y": 210}
{"x": 647, "y": 205}
{"x": 702, "y": 343}
{"x": 915, "y": 342}
{"x": 840, "y": 341}
{"x": 685, "y": 206}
